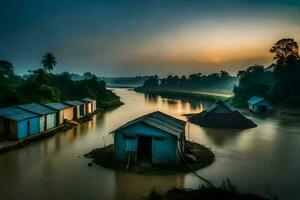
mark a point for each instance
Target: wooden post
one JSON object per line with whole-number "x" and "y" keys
{"x": 128, "y": 163}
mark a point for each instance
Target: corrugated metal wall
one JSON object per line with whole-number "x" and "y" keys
{"x": 42, "y": 124}
{"x": 94, "y": 105}
{"x": 88, "y": 108}
{"x": 61, "y": 117}
{"x": 25, "y": 131}
{"x": 119, "y": 147}
{"x": 51, "y": 120}
{"x": 34, "y": 126}
{"x": 164, "y": 145}
{"x": 122, "y": 144}
{"x": 164, "y": 151}
{"x": 68, "y": 113}
{"x": 22, "y": 129}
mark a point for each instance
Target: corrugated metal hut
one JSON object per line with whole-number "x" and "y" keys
{"x": 155, "y": 138}
{"x": 64, "y": 112}
{"x": 47, "y": 115}
{"x": 78, "y": 108}
{"x": 222, "y": 115}
{"x": 16, "y": 123}
{"x": 259, "y": 105}
{"x": 90, "y": 105}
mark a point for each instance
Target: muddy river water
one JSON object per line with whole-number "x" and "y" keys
{"x": 263, "y": 160}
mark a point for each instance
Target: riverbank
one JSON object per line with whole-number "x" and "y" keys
{"x": 199, "y": 157}
{"x": 180, "y": 94}
{"x": 226, "y": 192}
{"x": 8, "y": 145}
{"x": 109, "y": 103}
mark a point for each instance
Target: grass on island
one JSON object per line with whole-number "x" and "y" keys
{"x": 104, "y": 157}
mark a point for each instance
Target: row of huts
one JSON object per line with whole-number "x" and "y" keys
{"x": 22, "y": 121}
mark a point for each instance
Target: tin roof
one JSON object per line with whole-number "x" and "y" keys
{"x": 16, "y": 114}
{"x": 89, "y": 100}
{"x": 57, "y": 106}
{"x": 36, "y": 108}
{"x": 74, "y": 103}
{"x": 161, "y": 121}
{"x": 254, "y": 100}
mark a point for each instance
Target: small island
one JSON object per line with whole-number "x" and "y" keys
{"x": 202, "y": 158}
{"x": 153, "y": 144}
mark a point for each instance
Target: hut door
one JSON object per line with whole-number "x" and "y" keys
{"x": 28, "y": 128}
{"x": 145, "y": 149}
{"x": 262, "y": 108}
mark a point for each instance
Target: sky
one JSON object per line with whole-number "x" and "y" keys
{"x": 145, "y": 37}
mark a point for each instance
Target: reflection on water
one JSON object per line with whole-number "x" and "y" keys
{"x": 126, "y": 183}
{"x": 54, "y": 168}
{"x": 178, "y": 106}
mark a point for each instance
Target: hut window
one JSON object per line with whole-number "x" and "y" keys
{"x": 159, "y": 138}
{"x": 128, "y": 137}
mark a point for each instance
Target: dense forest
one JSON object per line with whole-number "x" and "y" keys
{"x": 217, "y": 82}
{"x": 279, "y": 83}
{"x": 43, "y": 86}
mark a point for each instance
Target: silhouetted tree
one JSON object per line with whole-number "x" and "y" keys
{"x": 286, "y": 51}
{"x": 6, "y": 69}
{"x": 286, "y": 69}
{"x": 48, "y": 62}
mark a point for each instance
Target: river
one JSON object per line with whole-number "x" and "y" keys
{"x": 263, "y": 160}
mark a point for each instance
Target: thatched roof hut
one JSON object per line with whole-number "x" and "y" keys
{"x": 221, "y": 115}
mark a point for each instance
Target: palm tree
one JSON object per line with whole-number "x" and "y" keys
{"x": 48, "y": 61}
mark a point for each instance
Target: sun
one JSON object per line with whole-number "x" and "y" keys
{"x": 217, "y": 59}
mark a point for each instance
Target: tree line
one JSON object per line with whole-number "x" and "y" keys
{"x": 42, "y": 86}
{"x": 215, "y": 81}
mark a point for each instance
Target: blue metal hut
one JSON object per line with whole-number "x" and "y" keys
{"x": 16, "y": 123}
{"x": 259, "y": 105}
{"x": 47, "y": 116}
{"x": 156, "y": 138}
